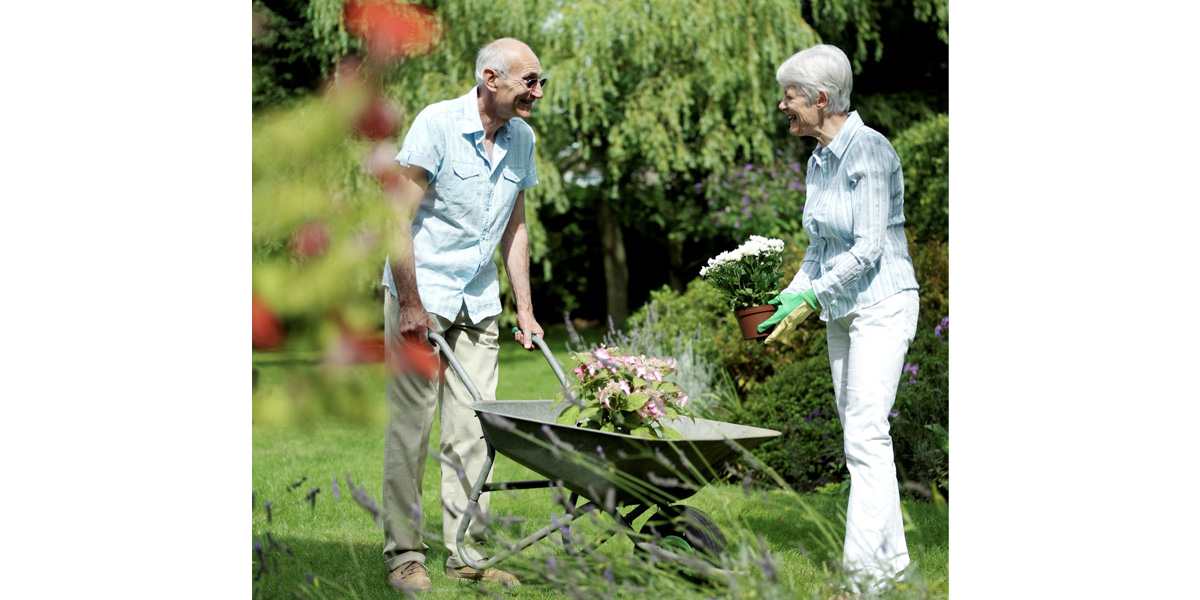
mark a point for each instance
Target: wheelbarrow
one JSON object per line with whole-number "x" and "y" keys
{"x": 622, "y": 475}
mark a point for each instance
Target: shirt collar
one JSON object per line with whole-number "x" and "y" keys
{"x": 841, "y": 141}
{"x": 471, "y": 123}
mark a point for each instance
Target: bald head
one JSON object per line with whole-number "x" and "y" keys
{"x": 499, "y": 56}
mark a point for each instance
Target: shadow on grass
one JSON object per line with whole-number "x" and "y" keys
{"x": 789, "y": 525}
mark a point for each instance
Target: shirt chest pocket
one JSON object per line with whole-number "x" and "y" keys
{"x": 460, "y": 191}
{"x": 507, "y": 186}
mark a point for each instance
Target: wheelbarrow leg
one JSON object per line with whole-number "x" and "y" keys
{"x": 479, "y": 488}
{"x": 472, "y": 507}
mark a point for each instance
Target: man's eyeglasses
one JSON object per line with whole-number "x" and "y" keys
{"x": 528, "y": 81}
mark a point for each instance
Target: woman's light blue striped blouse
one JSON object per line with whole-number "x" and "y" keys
{"x": 854, "y": 216}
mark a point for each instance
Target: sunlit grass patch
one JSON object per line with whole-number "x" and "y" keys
{"x": 316, "y": 541}
{"x": 338, "y": 544}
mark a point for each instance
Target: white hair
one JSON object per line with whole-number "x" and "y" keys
{"x": 822, "y": 67}
{"x": 497, "y": 56}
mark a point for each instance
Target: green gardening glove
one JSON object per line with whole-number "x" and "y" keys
{"x": 810, "y": 298}
{"x": 804, "y": 303}
{"x": 786, "y": 303}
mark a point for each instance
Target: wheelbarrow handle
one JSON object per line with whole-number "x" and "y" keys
{"x": 439, "y": 343}
{"x": 562, "y": 379}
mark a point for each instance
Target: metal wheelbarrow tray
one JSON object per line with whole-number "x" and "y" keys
{"x": 612, "y": 471}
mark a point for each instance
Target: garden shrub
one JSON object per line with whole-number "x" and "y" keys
{"x": 701, "y": 312}
{"x": 779, "y": 386}
{"x": 920, "y": 428}
{"x": 798, "y": 402}
{"x": 924, "y": 151}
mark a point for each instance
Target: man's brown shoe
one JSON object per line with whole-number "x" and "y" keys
{"x": 411, "y": 576}
{"x": 486, "y": 575}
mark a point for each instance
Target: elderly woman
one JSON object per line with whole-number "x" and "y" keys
{"x": 857, "y": 273}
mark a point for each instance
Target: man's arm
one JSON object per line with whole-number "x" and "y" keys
{"x": 514, "y": 248}
{"x": 405, "y": 199}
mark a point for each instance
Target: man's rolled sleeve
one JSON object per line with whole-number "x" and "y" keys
{"x": 423, "y": 147}
{"x": 408, "y": 158}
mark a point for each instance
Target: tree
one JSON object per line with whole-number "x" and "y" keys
{"x": 296, "y": 43}
{"x": 652, "y": 96}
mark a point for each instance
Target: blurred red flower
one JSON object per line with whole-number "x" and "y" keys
{"x": 417, "y": 358}
{"x": 355, "y": 348}
{"x": 381, "y": 159}
{"x": 378, "y": 121}
{"x": 310, "y": 240}
{"x": 392, "y": 30}
{"x": 266, "y": 330}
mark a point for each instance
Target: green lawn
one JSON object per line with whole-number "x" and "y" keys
{"x": 337, "y": 545}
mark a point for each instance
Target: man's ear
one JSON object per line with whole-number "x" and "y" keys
{"x": 489, "y": 79}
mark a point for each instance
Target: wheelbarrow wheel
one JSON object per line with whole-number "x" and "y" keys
{"x": 685, "y": 528}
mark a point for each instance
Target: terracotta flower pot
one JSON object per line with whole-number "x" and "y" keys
{"x": 749, "y": 319}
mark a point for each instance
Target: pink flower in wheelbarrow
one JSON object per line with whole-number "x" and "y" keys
{"x": 624, "y": 393}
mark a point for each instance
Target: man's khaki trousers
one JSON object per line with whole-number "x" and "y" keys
{"x": 412, "y": 402}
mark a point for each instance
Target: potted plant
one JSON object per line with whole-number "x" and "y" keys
{"x": 623, "y": 393}
{"x": 748, "y": 278}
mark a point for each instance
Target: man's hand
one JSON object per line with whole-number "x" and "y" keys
{"x": 527, "y": 327}
{"x": 415, "y": 325}
{"x": 408, "y": 347}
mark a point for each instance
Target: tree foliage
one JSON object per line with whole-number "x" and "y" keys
{"x": 651, "y": 96}
{"x": 646, "y": 99}
{"x": 296, "y": 43}
{"x": 671, "y": 86}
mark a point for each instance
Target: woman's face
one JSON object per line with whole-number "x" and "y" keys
{"x": 802, "y": 118}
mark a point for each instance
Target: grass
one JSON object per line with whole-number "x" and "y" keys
{"x": 316, "y": 546}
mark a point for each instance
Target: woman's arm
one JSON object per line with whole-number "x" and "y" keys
{"x": 869, "y": 167}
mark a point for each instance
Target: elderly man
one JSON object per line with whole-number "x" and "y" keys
{"x": 465, "y": 166}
